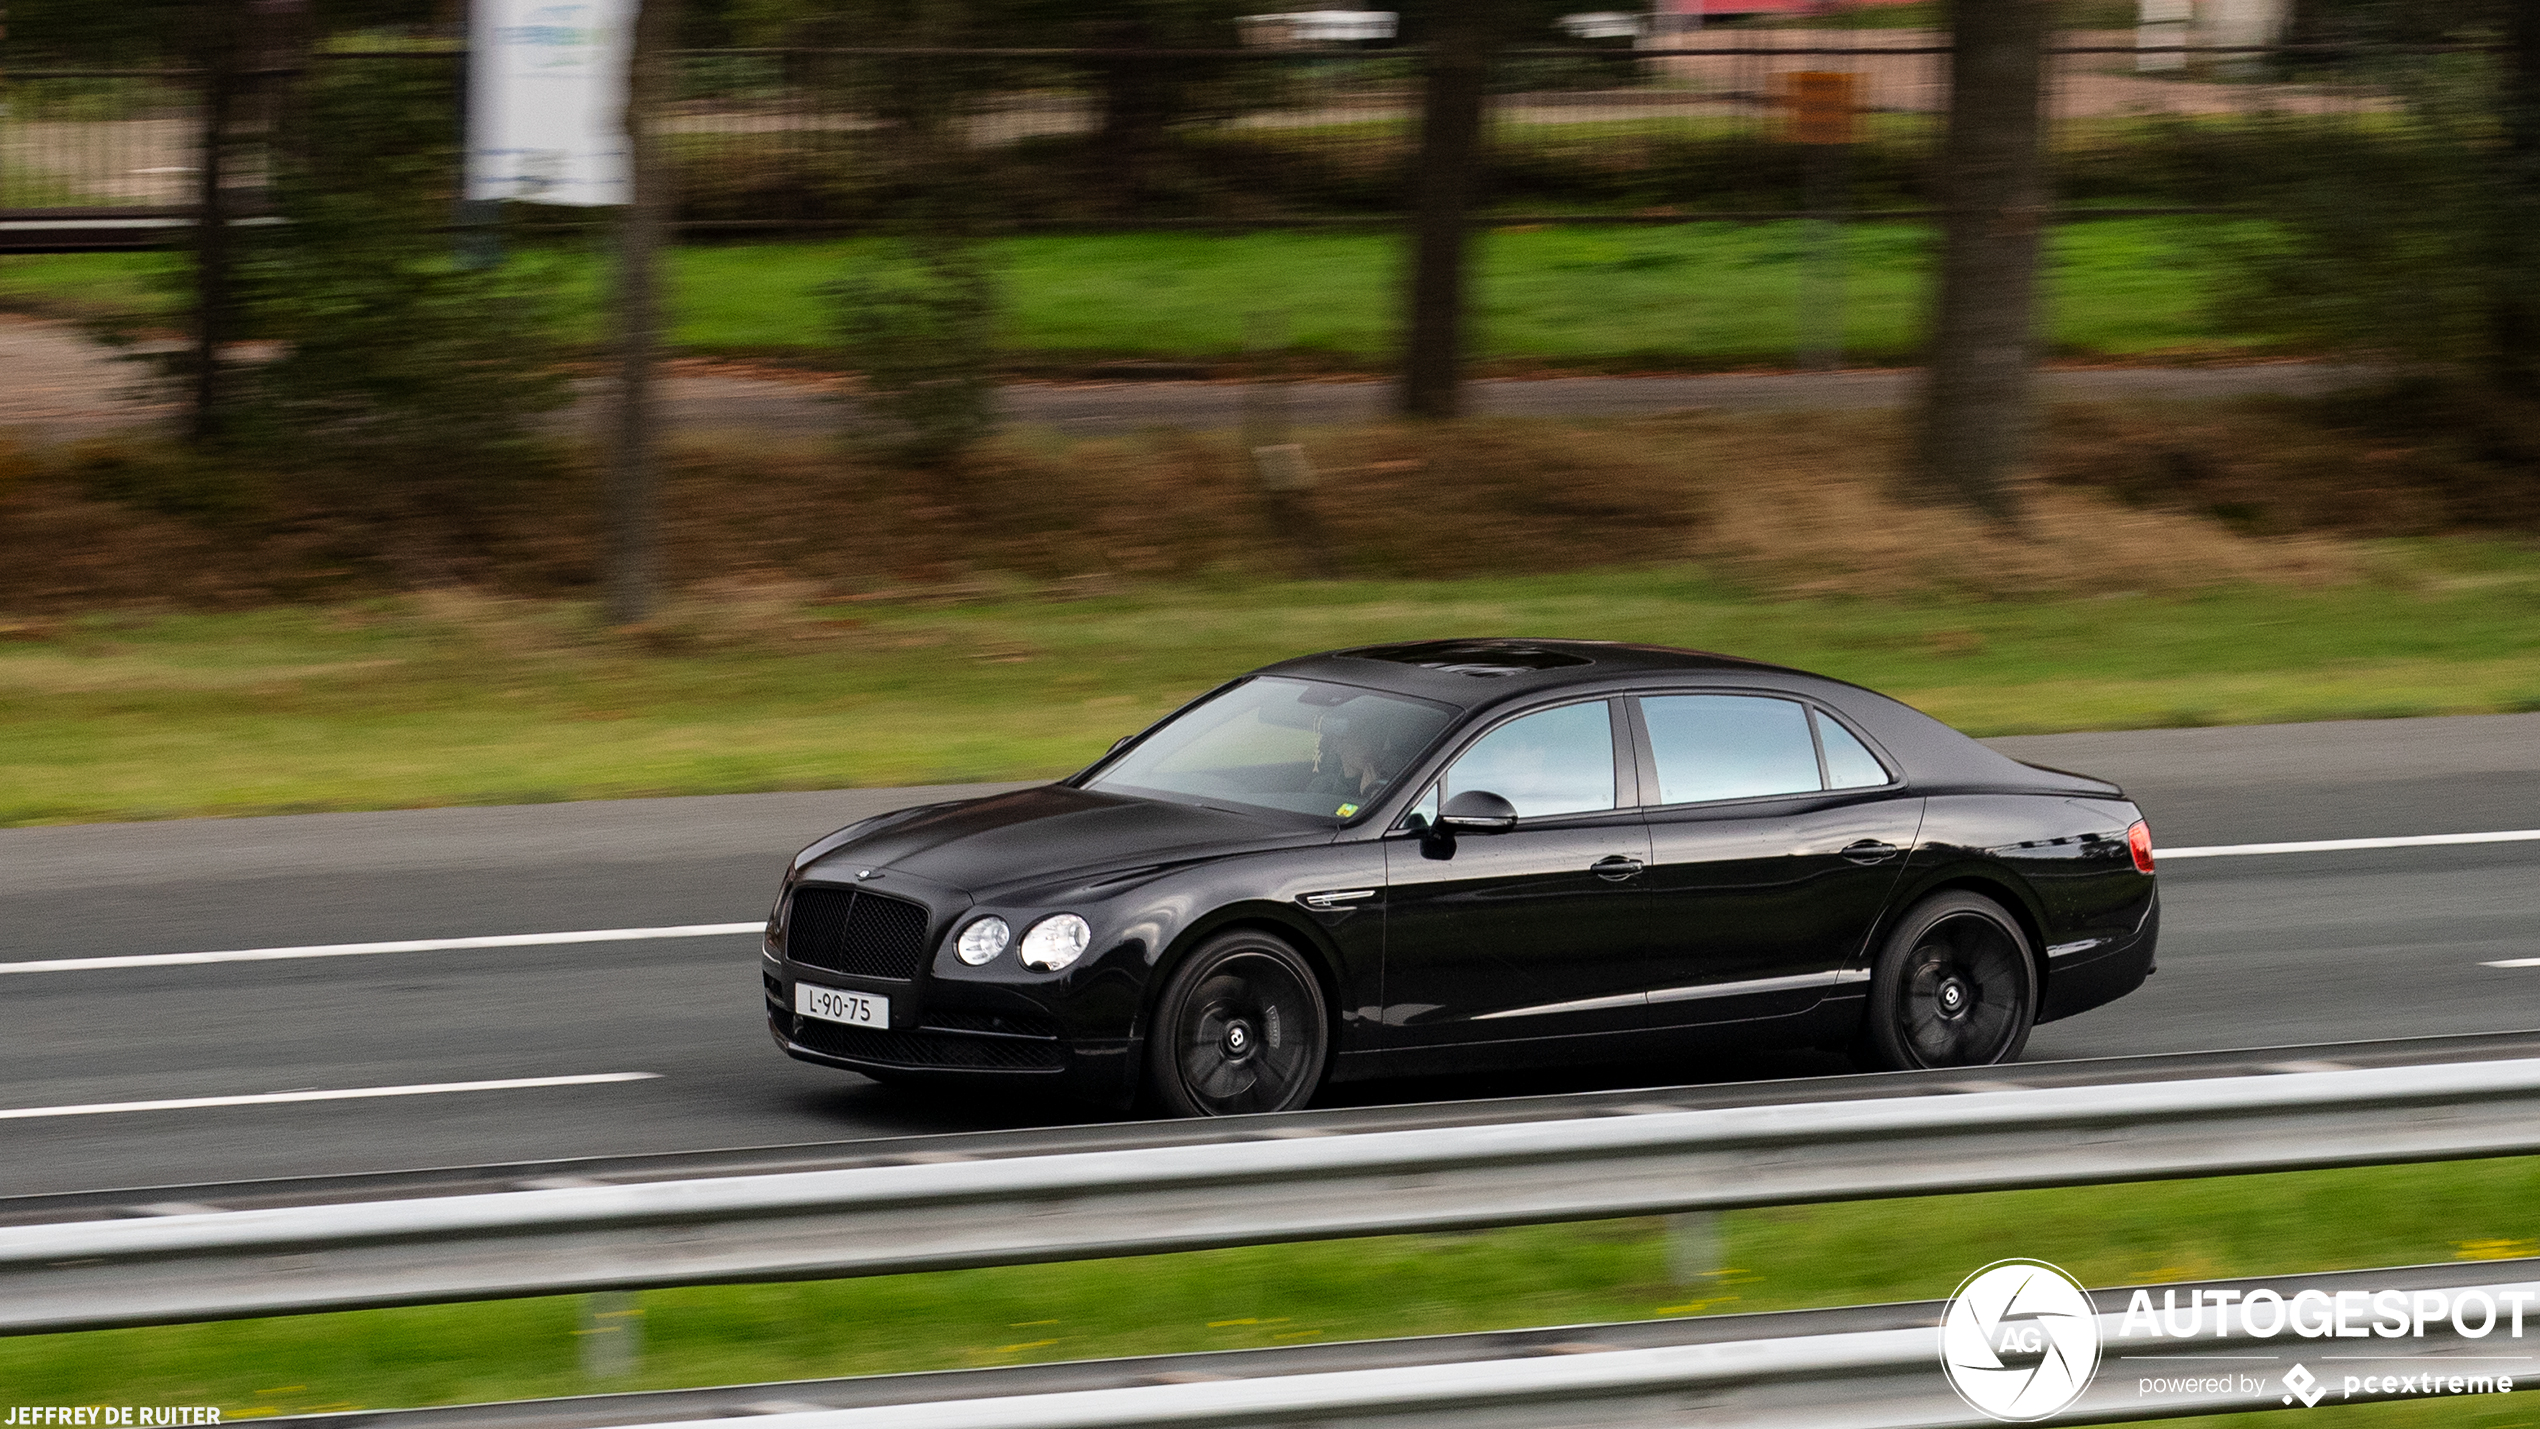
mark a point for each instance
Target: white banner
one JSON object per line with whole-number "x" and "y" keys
{"x": 546, "y": 119}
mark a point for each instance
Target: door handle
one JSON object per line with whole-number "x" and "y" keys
{"x": 1618, "y": 868}
{"x": 1870, "y": 851}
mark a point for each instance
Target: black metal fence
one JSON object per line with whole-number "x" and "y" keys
{"x": 1056, "y": 139}
{"x": 1021, "y": 140}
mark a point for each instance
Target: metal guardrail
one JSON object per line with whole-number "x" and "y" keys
{"x": 1783, "y": 1088}
{"x": 888, "y": 1219}
{"x": 1905, "y": 1391}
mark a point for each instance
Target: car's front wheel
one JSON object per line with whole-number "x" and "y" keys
{"x": 1240, "y": 1028}
{"x": 1955, "y": 985}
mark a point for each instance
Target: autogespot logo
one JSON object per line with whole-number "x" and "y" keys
{"x": 2020, "y": 1340}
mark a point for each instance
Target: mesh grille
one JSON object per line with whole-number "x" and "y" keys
{"x": 848, "y": 930}
{"x": 928, "y": 1049}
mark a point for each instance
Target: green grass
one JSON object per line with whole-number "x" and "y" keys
{"x": 446, "y": 701}
{"x": 1770, "y": 1259}
{"x": 25, "y": 189}
{"x": 1699, "y": 295}
{"x": 87, "y": 285}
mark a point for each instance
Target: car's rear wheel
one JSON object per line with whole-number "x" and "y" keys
{"x": 1241, "y": 1027}
{"x": 1955, "y": 985}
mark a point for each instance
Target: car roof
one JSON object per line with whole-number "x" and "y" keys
{"x": 1477, "y": 674}
{"x": 1487, "y": 671}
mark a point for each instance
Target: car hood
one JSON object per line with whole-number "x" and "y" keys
{"x": 1040, "y": 833}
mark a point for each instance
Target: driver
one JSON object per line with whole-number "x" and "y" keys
{"x": 1351, "y": 762}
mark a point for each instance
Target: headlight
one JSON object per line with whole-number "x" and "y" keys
{"x": 1055, "y": 942}
{"x": 982, "y": 941}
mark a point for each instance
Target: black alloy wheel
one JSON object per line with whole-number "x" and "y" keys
{"x": 1954, "y": 986}
{"x": 1240, "y": 1028}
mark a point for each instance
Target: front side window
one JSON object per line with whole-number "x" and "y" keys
{"x": 1301, "y": 746}
{"x": 1729, "y": 747}
{"x": 1559, "y": 761}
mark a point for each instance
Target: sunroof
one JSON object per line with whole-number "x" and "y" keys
{"x": 1472, "y": 657}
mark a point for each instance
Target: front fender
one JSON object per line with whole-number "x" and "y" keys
{"x": 1179, "y": 912}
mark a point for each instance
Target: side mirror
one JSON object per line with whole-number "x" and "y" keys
{"x": 1478, "y": 811}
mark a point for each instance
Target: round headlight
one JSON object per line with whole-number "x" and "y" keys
{"x": 1055, "y": 942}
{"x": 982, "y": 941}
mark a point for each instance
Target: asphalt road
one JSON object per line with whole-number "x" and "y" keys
{"x": 2264, "y": 950}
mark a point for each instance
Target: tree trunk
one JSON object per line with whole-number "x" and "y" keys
{"x": 1137, "y": 110}
{"x": 631, "y": 575}
{"x": 1977, "y": 400}
{"x": 2516, "y": 308}
{"x": 214, "y": 318}
{"x": 1443, "y": 186}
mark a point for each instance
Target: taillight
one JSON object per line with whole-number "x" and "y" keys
{"x": 2138, "y": 841}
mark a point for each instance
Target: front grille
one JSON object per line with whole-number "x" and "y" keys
{"x": 928, "y": 1049}
{"x": 1008, "y": 1024}
{"x": 848, "y": 930}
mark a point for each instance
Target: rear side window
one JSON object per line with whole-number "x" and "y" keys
{"x": 1730, "y": 747}
{"x": 1849, "y": 765}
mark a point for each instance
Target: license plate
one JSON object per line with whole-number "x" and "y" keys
{"x": 830, "y": 1004}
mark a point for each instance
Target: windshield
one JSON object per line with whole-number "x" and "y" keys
{"x": 1295, "y": 745}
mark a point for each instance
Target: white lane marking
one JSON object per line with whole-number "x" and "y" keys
{"x": 356, "y": 950}
{"x": 2502, "y": 836}
{"x": 2514, "y": 963}
{"x": 348, "y": 1094}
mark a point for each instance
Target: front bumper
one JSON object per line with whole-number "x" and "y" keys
{"x": 1069, "y": 1033}
{"x": 951, "y": 1043}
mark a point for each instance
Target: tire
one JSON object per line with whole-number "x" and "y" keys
{"x": 1955, "y": 985}
{"x": 1241, "y": 1028}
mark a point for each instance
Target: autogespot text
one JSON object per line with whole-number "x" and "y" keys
{"x": 2264, "y": 1314}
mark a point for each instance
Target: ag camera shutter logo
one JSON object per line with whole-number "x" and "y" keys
{"x": 2020, "y": 1340}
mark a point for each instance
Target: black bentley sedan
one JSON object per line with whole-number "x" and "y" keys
{"x": 1461, "y": 854}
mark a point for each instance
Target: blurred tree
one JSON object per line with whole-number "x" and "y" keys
{"x": 919, "y": 320}
{"x": 1461, "y": 38}
{"x": 221, "y": 38}
{"x": 753, "y": 22}
{"x": 918, "y": 314}
{"x": 403, "y": 393}
{"x": 643, "y": 226}
{"x": 2514, "y": 282}
{"x": 1140, "y": 98}
{"x": 1976, "y": 411}
{"x": 140, "y": 32}
{"x": 2416, "y": 239}
{"x": 2387, "y": 22}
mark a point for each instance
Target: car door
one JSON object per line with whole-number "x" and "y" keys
{"x": 1776, "y": 836}
{"x": 1532, "y": 932}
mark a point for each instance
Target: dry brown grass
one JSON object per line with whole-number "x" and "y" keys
{"x": 2368, "y": 467}
{"x": 1800, "y": 505}
{"x": 1789, "y": 504}
{"x": 62, "y": 549}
